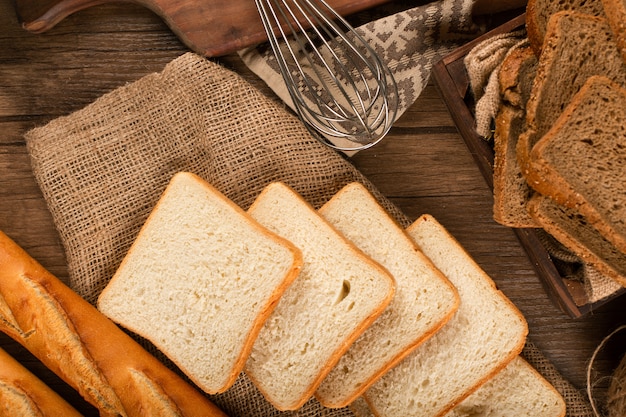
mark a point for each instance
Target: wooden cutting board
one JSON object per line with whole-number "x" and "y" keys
{"x": 208, "y": 27}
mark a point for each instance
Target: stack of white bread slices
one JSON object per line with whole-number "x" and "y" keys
{"x": 340, "y": 304}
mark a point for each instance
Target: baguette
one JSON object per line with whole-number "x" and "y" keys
{"x": 23, "y": 394}
{"x": 84, "y": 348}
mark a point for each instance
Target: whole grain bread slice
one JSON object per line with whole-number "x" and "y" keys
{"x": 539, "y": 12}
{"x": 200, "y": 280}
{"x": 486, "y": 333}
{"x": 577, "y": 46}
{"x": 425, "y": 300}
{"x": 581, "y": 161}
{"x": 616, "y": 16}
{"x": 511, "y": 192}
{"x": 339, "y": 294}
{"x": 574, "y": 232}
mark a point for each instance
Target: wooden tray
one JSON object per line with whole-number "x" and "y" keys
{"x": 451, "y": 77}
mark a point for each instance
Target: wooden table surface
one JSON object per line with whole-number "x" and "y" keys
{"x": 423, "y": 166}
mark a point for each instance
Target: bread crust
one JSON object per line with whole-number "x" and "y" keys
{"x": 110, "y": 355}
{"x": 615, "y": 11}
{"x": 564, "y": 230}
{"x": 538, "y": 18}
{"x": 44, "y": 400}
{"x": 510, "y": 190}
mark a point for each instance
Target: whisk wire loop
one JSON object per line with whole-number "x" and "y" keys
{"x": 339, "y": 86}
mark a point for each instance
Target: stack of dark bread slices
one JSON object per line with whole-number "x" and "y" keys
{"x": 560, "y": 133}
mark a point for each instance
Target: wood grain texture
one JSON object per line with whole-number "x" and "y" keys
{"x": 423, "y": 166}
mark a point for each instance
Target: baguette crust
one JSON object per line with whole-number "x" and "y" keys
{"x": 84, "y": 348}
{"x": 22, "y": 393}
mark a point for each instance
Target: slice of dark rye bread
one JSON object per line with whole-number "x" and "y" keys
{"x": 616, "y": 16}
{"x": 573, "y": 231}
{"x": 577, "y": 46}
{"x": 581, "y": 161}
{"x": 511, "y": 192}
{"x": 538, "y": 13}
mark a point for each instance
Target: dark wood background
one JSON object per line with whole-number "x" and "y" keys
{"x": 423, "y": 166}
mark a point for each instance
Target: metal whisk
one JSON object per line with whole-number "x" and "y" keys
{"x": 339, "y": 86}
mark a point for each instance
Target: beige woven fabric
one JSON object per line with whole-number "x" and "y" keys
{"x": 102, "y": 169}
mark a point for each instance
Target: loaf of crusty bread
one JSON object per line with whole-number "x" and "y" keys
{"x": 22, "y": 394}
{"x": 84, "y": 348}
{"x": 615, "y": 11}
{"x": 577, "y": 46}
{"x": 486, "y": 333}
{"x": 580, "y": 161}
{"x": 338, "y": 294}
{"x": 410, "y": 319}
{"x": 516, "y": 391}
{"x": 538, "y": 13}
{"x": 200, "y": 280}
{"x": 511, "y": 192}
{"x": 574, "y": 232}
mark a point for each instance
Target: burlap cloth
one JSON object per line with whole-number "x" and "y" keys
{"x": 483, "y": 65}
{"x": 102, "y": 169}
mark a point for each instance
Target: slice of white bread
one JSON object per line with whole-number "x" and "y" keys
{"x": 579, "y": 163}
{"x": 486, "y": 333}
{"x": 23, "y": 394}
{"x": 200, "y": 280}
{"x": 516, "y": 391}
{"x": 425, "y": 300}
{"x": 338, "y": 294}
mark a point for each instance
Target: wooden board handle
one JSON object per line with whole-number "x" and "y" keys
{"x": 208, "y": 27}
